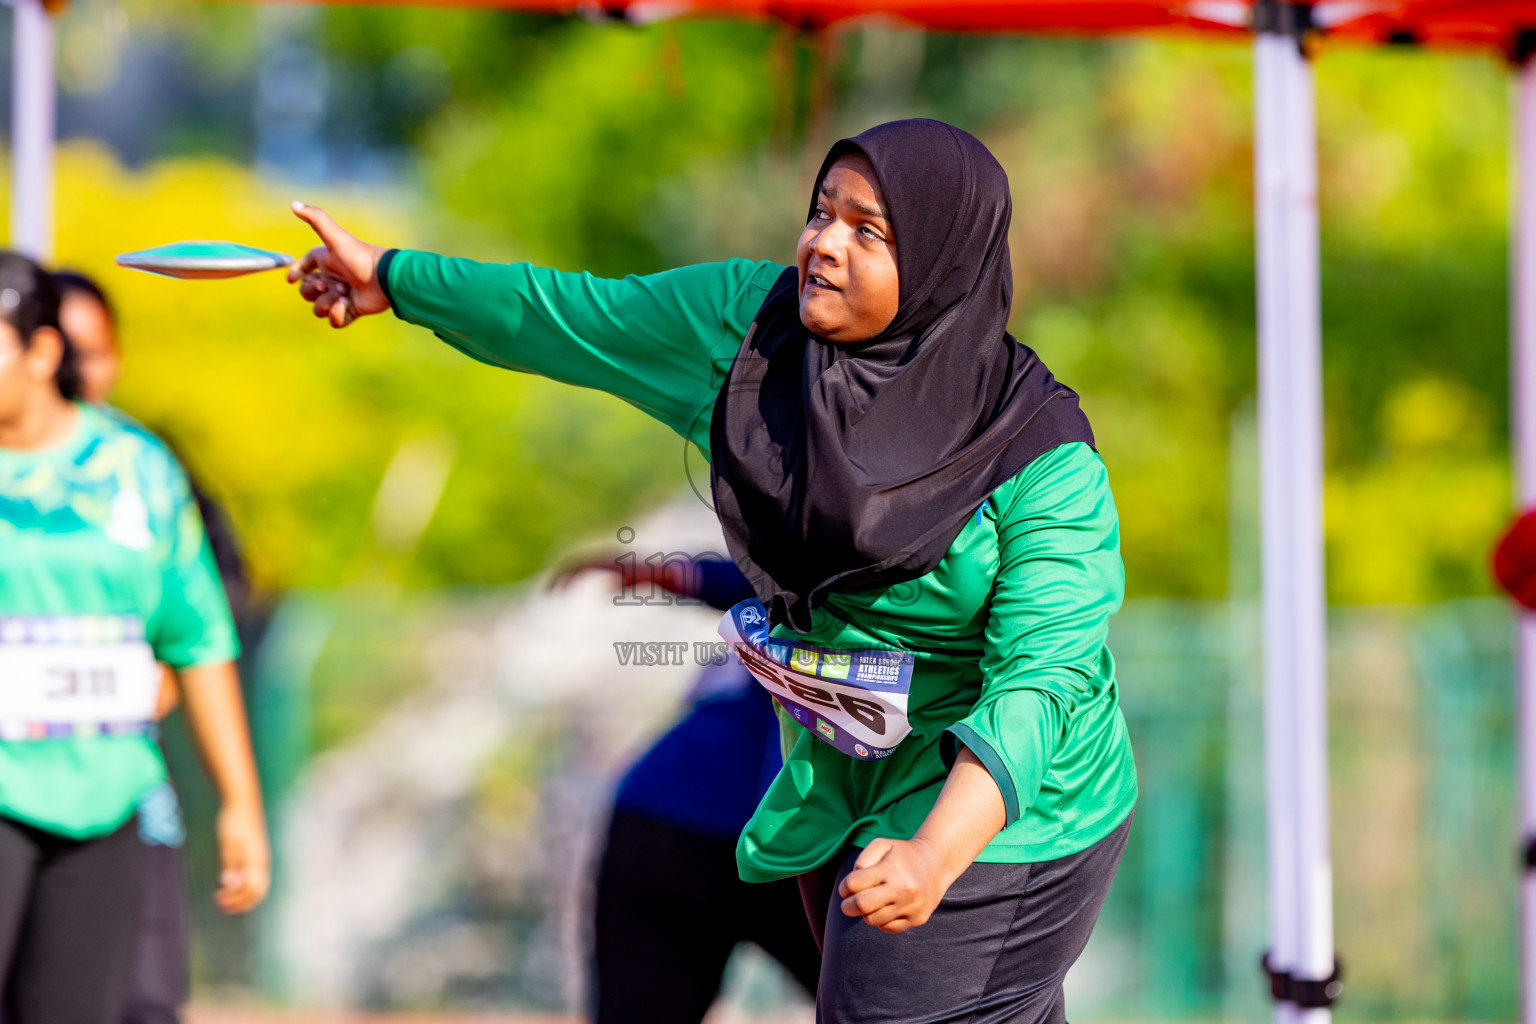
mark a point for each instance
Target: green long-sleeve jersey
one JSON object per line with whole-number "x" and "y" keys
{"x": 1006, "y": 635}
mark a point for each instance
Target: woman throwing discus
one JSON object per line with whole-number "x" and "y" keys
{"x": 105, "y": 574}
{"x": 920, "y": 509}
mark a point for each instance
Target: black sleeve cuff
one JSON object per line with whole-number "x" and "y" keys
{"x": 383, "y": 275}
{"x": 949, "y": 750}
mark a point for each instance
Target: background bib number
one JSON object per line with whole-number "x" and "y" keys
{"x": 74, "y": 675}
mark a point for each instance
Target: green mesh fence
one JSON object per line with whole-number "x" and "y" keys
{"x": 1423, "y": 790}
{"x": 1423, "y": 799}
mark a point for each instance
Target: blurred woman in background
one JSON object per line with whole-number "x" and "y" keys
{"x": 90, "y": 323}
{"x": 162, "y": 973}
{"x": 104, "y": 572}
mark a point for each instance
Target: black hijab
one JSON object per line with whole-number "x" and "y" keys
{"x": 854, "y": 467}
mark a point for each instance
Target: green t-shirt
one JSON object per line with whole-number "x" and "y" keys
{"x": 1007, "y": 633}
{"x": 103, "y": 524}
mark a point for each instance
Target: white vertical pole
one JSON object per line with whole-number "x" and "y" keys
{"x": 1279, "y": 729}
{"x": 32, "y": 131}
{"x": 1314, "y": 860}
{"x": 1523, "y": 421}
{"x": 1291, "y": 454}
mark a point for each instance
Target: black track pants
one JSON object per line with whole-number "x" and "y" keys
{"x": 670, "y": 908}
{"x": 69, "y": 911}
{"x": 996, "y": 950}
{"x": 161, "y": 975}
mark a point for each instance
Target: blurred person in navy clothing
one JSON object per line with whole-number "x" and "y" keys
{"x": 670, "y": 906}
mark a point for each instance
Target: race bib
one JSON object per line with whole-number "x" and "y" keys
{"x": 75, "y": 675}
{"x": 854, "y": 700}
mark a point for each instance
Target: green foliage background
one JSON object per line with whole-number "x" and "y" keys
{"x": 621, "y": 150}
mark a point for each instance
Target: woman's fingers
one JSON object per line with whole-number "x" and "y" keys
{"x": 237, "y": 890}
{"x": 861, "y": 880}
{"x": 886, "y": 908}
{"x": 315, "y": 285}
{"x": 308, "y": 264}
{"x": 336, "y": 238}
{"x": 238, "y": 893}
{"x": 326, "y": 300}
{"x": 868, "y": 901}
{"x": 863, "y": 876}
{"x": 332, "y": 300}
{"x": 886, "y": 915}
{"x": 343, "y": 312}
{"x": 233, "y": 895}
{"x": 874, "y": 853}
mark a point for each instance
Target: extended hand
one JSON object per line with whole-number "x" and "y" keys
{"x": 896, "y": 884}
{"x": 245, "y": 862}
{"x": 340, "y": 277}
{"x": 566, "y": 573}
{"x": 677, "y": 577}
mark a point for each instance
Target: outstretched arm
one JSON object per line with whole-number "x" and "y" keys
{"x": 714, "y": 581}
{"x": 662, "y": 342}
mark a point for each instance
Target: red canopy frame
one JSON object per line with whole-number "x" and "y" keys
{"x": 1080, "y": 17}
{"x": 1483, "y": 24}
